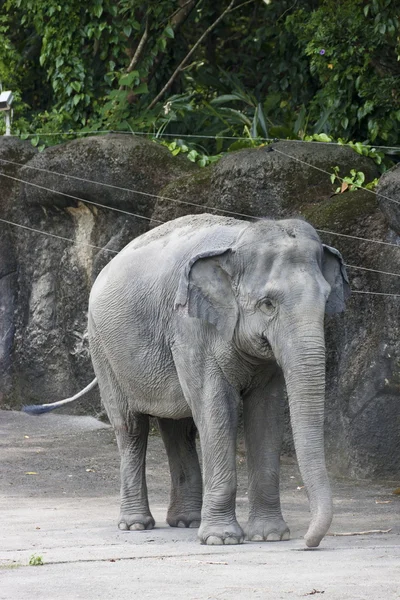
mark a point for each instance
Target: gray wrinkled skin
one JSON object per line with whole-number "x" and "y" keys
{"x": 189, "y": 320}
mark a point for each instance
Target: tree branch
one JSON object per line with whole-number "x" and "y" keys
{"x": 177, "y": 19}
{"x": 180, "y": 13}
{"x": 139, "y": 50}
{"x": 244, "y": 4}
{"x": 189, "y": 54}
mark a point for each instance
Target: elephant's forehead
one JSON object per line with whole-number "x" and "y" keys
{"x": 280, "y": 262}
{"x": 294, "y": 228}
{"x": 285, "y": 250}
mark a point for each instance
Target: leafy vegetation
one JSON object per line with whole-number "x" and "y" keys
{"x": 36, "y": 560}
{"x": 254, "y": 69}
{"x": 352, "y": 182}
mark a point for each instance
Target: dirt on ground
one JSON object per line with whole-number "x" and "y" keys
{"x": 59, "y": 483}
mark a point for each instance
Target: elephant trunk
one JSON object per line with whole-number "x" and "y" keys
{"x": 304, "y": 371}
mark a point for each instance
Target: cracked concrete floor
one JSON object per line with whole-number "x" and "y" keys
{"x": 59, "y": 501}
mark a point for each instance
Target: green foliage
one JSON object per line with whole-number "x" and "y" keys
{"x": 362, "y": 149}
{"x": 305, "y": 69}
{"x": 353, "y": 47}
{"x": 36, "y": 560}
{"x": 352, "y": 182}
{"x": 201, "y": 158}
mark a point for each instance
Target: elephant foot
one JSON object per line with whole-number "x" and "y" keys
{"x": 181, "y": 519}
{"x": 267, "y": 530}
{"x": 217, "y": 535}
{"x": 135, "y": 522}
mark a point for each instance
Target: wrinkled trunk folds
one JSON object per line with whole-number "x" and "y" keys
{"x": 304, "y": 370}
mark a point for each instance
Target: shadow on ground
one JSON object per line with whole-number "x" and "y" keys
{"x": 59, "y": 501}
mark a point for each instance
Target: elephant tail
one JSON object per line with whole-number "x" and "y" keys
{"x": 40, "y": 409}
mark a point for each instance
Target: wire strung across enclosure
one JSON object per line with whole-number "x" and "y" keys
{"x": 181, "y": 202}
{"x": 195, "y": 136}
{"x": 59, "y": 237}
{"x": 42, "y": 187}
{"x": 65, "y": 239}
{"x": 176, "y": 200}
{"x": 337, "y": 177}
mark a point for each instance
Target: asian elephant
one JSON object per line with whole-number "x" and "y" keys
{"x": 189, "y": 320}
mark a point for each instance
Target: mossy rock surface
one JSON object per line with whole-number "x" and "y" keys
{"x": 45, "y": 281}
{"x": 388, "y": 191}
{"x": 280, "y": 181}
{"x": 15, "y": 153}
{"x": 341, "y": 211}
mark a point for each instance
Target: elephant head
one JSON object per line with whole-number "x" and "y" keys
{"x": 266, "y": 292}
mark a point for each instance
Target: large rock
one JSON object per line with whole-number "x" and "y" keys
{"x": 13, "y": 154}
{"x": 388, "y": 194}
{"x": 363, "y": 344}
{"x": 50, "y": 356}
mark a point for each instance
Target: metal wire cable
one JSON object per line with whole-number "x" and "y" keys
{"x": 158, "y": 221}
{"x": 372, "y": 270}
{"x": 160, "y": 197}
{"x": 117, "y": 251}
{"x": 115, "y": 187}
{"x": 175, "y": 200}
{"x": 65, "y": 239}
{"x": 375, "y": 293}
{"x": 354, "y": 237}
{"x": 197, "y": 136}
{"x": 120, "y": 210}
{"x": 59, "y": 237}
{"x": 337, "y": 177}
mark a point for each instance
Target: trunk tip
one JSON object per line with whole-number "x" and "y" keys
{"x": 312, "y": 541}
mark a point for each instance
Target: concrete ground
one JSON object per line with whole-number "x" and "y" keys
{"x": 59, "y": 505}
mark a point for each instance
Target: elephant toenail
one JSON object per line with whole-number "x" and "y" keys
{"x": 123, "y": 526}
{"x": 273, "y": 537}
{"x": 230, "y": 541}
{"x": 213, "y": 540}
{"x": 257, "y": 538}
{"x": 194, "y": 525}
{"x": 181, "y": 524}
{"x": 137, "y": 527}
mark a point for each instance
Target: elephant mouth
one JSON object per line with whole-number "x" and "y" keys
{"x": 264, "y": 343}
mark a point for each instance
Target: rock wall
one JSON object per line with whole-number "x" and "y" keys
{"x": 45, "y": 281}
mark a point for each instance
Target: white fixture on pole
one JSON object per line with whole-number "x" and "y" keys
{"x": 6, "y": 99}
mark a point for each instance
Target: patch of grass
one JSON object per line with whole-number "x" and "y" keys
{"x": 36, "y": 560}
{"x": 13, "y": 565}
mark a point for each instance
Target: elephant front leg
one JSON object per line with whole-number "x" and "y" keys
{"x": 217, "y": 424}
{"x": 179, "y": 438}
{"x": 132, "y": 443}
{"x": 263, "y": 423}
{"x": 214, "y": 404}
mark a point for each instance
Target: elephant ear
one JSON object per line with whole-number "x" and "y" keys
{"x": 205, "y": 291}
{"x": 334, "y": 271}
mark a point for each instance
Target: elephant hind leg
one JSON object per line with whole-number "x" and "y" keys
{"x": 179, "y": 438}
{"x": 132, "y": 443}
{"x": 131, "y": 431}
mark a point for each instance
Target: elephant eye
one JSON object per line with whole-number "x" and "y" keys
{"x": 268, "y": 306}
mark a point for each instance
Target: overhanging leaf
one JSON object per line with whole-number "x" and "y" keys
{"x": 141, "y": 89}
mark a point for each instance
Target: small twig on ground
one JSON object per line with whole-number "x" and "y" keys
{"x": 360, "y": 532}
{"x": 207, "y": 562}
